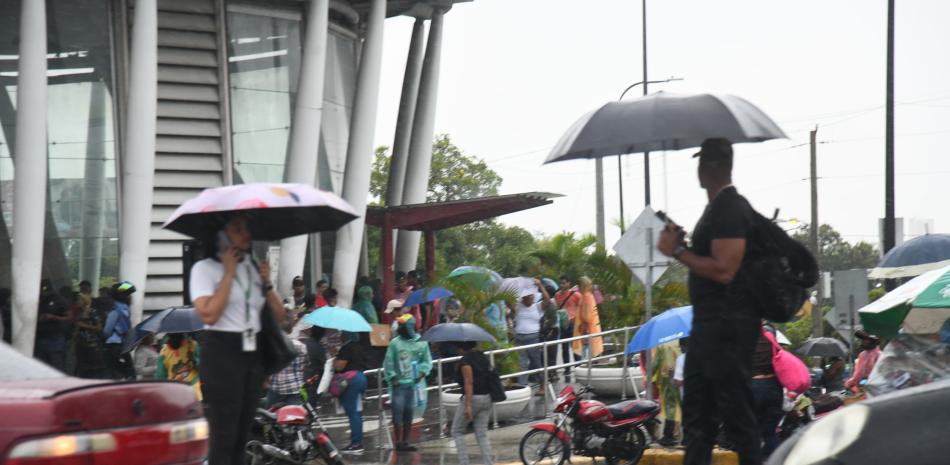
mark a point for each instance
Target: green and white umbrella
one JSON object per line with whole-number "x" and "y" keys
{"x": 919, "y": 306}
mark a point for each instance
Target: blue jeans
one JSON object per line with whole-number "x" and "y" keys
{"x": 767, "y": 403}
{"x": 404, "y": 403}
{"x": 350, "y": 399}
{"x": 530, "y": 359}
{"x": 285, "y": 399}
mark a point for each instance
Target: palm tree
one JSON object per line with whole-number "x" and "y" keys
{"x": 564, "y": 254}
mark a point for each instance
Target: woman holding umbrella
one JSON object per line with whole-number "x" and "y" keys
{"x": 229, "y": 294}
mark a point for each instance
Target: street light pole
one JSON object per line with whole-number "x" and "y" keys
{"x": 623, "y": 225}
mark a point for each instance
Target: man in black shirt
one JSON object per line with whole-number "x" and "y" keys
{"x": 725, "y": 325}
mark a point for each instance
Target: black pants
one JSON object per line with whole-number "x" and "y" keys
{"x": 767, "y": 395}
{"x": 231, "y": 383}
{"x": 120, "y": 365}
{"x": 717, "y": 387}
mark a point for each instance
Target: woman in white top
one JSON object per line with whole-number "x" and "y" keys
{"x": 229, "y": 292}
{"x": 528, "y": 329}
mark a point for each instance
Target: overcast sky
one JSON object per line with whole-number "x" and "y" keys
{"x": 517, "y": 73}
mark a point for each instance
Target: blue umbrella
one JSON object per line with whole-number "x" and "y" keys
{"x": 342, "y": 319}
{"x": 426, "y": 294}
{"x": 457, "y": 332}
{"x": 170, "y": 320}
{"x": 670, "y": 325}
{"x": 914, "y": 257}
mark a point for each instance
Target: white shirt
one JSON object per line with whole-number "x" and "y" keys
{"x": 528, "y": 319}
{"x": 678, "y": 370}
{"x": 205, "y": 277}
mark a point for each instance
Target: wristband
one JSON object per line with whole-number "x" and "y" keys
{"x": 678, "y": 250}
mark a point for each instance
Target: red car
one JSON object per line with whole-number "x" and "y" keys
{"x": 47, "y": 417}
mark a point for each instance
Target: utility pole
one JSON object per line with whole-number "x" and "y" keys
{"x": 889, "y": 229}
{"x": 816, "y": 316}
{"x": 646, "y": 155}
{"x": 599, "y": 188}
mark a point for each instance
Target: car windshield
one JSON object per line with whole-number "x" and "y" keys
{"x": 14, "y": 366}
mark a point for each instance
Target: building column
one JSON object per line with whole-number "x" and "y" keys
{"x": 93, "y": 188}
{"x": 305, "y": 132}
{"x": 407, "y": 109}
{"x": 29, "y": 182}
{"x": 359, "y": 154}
{"x": 138, "y": 164}
{"x": 420, "y": 149}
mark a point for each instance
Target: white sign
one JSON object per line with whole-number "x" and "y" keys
{"x": 637, "y": 246}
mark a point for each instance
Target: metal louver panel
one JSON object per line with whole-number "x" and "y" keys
{"x": 190, "y": 140}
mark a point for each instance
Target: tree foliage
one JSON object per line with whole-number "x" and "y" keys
{"x": 835, "y": 253}
{"x": 455, "y": 175}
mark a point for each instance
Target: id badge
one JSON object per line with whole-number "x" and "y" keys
{"x": 249, "y": 341}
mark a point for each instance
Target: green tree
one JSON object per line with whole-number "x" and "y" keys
{"x": 455, "y": 175}
{"x": 835, "y": 253}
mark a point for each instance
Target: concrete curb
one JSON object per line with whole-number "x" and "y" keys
{"x": 656, "y": 457}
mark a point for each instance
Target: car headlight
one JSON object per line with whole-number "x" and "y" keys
{"x": 829, "y": 436}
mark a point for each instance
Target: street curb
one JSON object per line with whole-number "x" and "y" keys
{"x": 657, "y": 457}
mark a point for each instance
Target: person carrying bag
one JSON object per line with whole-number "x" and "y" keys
{"x": 242, "y": 342}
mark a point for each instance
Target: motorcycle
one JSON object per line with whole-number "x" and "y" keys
{"x": 590, "y": 428}
{"x": 291, "y": 434}
{"x": 806, "y": 409}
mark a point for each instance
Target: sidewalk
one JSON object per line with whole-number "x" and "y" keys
{"x": 505, "y": 442}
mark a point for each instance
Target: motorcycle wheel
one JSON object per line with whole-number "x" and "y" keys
{"x": 637, "y": 443}
{"x": 540, "y": 447}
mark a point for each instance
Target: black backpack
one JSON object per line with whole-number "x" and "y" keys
{"x": 778, "y": 271}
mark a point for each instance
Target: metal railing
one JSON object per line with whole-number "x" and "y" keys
{"x": 381, "y": 395}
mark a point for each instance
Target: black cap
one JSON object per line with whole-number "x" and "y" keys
{"x": 715, "y": 151}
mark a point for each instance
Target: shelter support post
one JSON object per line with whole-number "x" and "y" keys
{"x": 430, "y": 255}
{"x": 389, "y": 277}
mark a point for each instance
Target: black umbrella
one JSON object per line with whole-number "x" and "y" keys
{"x": 914, "y": 257}
{"x": 823, "y": 347}
{"x": 170, "y": 320}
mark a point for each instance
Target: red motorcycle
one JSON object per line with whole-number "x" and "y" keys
{"x": 293, "y": 435}
{"x": 590, "y": 428}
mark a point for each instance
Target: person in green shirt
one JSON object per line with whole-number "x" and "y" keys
{"x": 364, "y": 305}
{"x": 407, "y": 363}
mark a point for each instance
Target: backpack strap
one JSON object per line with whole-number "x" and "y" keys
{"x": 566, "y": 299}
{"x": 776, "y": 348}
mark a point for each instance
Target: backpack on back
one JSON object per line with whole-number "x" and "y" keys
{"x": 778, "y": 271}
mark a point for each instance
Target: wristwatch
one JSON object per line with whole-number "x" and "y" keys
{"x": 678, "y": 250}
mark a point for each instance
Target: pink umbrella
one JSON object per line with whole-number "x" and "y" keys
{"x": 274, "y": 211}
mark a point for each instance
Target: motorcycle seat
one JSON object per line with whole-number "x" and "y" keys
{"x": 632, "y": 408}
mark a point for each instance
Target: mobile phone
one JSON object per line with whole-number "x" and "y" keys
{"x": 224, "y": 243}
{"x": 662, "y": 216}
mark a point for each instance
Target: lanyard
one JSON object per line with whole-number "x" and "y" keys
{"x": 247, "y": 293}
